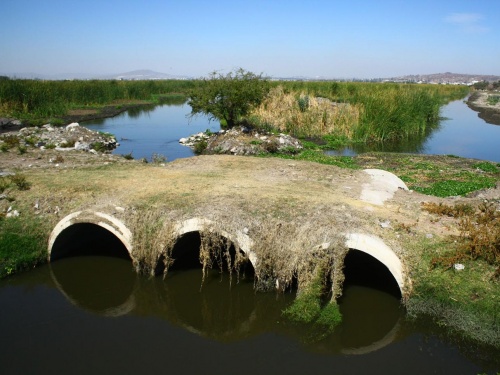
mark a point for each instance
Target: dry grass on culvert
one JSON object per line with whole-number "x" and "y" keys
{"x": 307, "y": 115}
{"x": 154, "y": 237}
{"x": 289, "y": 251}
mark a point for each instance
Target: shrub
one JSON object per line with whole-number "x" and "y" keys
{"x": 479, "y": 234}
{"x": 20, "y": 181}
{"x": 4, "y": 184}
{"x": 98, "y": 146}
{"x": 68, "y": 143}
{"x": 486, "y": 167}
{"x": 10, "y": 141}
{"x": 200, "y": 147}
{"x": 158, "y": 158}
{"x": 22, "y": 149}
{"x": 128, "y": 156}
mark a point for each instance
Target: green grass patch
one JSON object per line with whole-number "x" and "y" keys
{"x": 486, "y": 167}
{"x": 437, "y": 175}
{"x": 451, "y": 188}
{"x": 493, "y": 99}
{"x": 23, "y": 244}
{"x": 464, "y": 302}
{"x": 319, "y": 156}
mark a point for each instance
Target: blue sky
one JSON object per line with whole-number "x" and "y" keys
{"x": 329, "y": 38}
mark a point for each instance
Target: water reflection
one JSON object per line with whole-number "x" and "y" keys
{"x": 223, "y": 325}
{"x": 459, "y": 132}
{"x": 142, "y": 131}
{"x": 97, "y": 284}
{"x": 222, "y": 307}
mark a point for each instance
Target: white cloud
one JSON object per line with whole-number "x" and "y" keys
{"x": 463, "y": 18}
{"x": 468, "y": 22}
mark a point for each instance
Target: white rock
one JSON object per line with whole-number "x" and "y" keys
{"x": 385, "y": 224}
{"x": 72, "y": 126}
{"x": 14, "y": 213}
{"x": 82, "y": 146}
{"x": 458, "y": 266}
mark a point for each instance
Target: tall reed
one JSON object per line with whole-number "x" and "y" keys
{"x": 55, "y": 98}
{"x": 355, "y": 111}
{"x": 304, "y": 116}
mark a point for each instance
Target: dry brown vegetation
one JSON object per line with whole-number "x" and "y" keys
{"x": 307, "y": 116}
{"x": 479, "y": 234}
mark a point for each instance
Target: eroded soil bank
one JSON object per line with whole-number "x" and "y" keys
{"x": 488, "y": 112}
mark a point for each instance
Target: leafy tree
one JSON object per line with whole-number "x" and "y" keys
{"x": 483, "y": 85}
{"x": 229, "y": 97}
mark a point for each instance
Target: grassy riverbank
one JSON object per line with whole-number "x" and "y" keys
{"x": 39, "y": 102}
{"x": 344, "y": 112}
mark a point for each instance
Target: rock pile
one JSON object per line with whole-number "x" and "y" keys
{"x": 70, "y": 137}
{"x": 242, "y": 141}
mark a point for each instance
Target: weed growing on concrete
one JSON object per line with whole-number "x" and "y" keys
{"x": 153, "y": 240}
{"x": 288, "y": 257}
{"x": 215, "y": 251}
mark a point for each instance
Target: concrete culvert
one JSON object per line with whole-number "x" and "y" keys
{"x": 87, "y": 239}
{"x": 363, "y": 269}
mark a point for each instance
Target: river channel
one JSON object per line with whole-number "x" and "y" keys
{"x": 95, "y": 315}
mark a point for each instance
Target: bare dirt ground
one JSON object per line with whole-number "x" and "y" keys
{"x": 223, "y": 186}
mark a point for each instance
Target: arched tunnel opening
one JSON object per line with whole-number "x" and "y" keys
{"x": 362, "y": 269}
{"x": 370, "y": 304}
{"x": 186, "y": 256}
{"x": 95, "y": 271}
{"x": 83, "y": 239}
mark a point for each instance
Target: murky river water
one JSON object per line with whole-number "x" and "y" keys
{"x": 94, "y": 314}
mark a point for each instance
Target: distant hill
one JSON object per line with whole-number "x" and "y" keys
{"x": 146, "y": 74}
{"x": 133, "y": 75}
{"x": 456, "y": 78}
{"x": 142, "y": 75}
